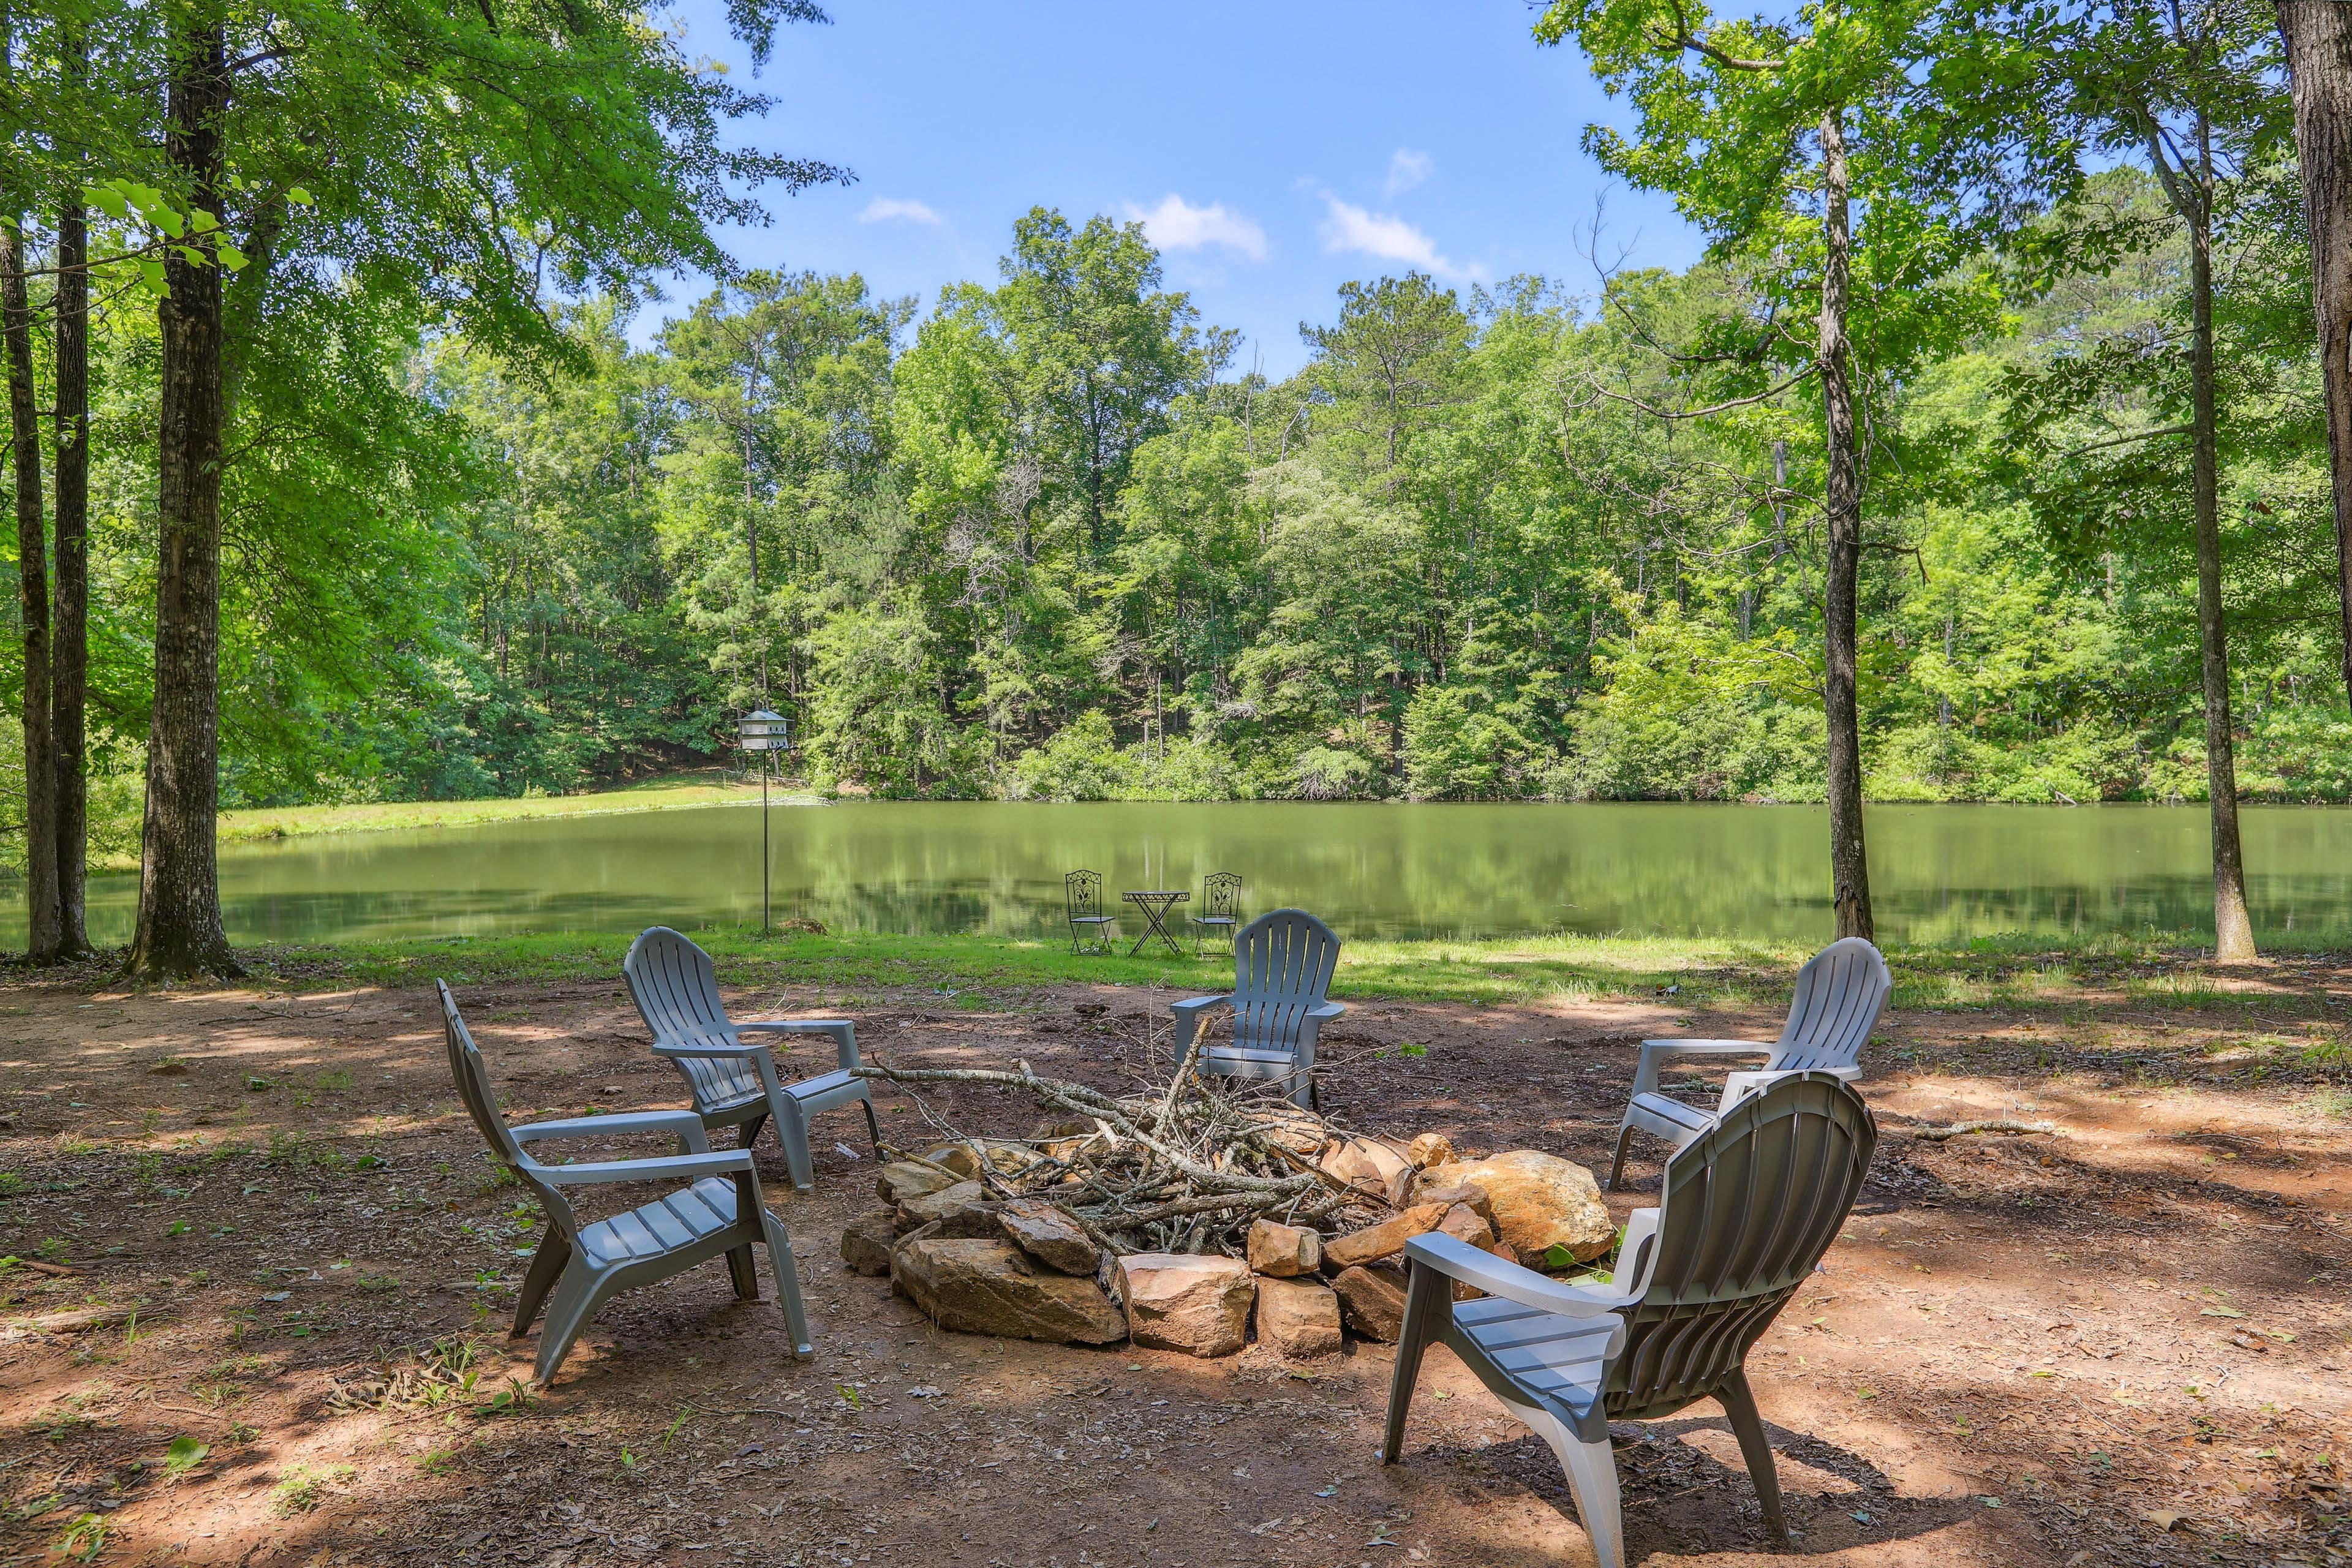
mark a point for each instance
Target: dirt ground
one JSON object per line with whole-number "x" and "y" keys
{"x": 2123, "y": 1342}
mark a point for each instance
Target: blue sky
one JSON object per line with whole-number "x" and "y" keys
{"x": 1274, "y": 151}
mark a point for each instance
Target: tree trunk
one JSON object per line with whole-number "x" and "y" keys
{"x": 69, "y": 651}
{"x": 1849, "y": 866}
{"x": 180, "y": 931}
{"x": 2233, "y": 931}
{"x": 2318, "y": 38}
{"x": 41, "y": 928}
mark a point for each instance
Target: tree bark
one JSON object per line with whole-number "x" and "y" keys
{"x": 33, "y": 599}
{"x": 1849, "y": 865}
{"x": 180, "y": 931}
{"x": 2318, "y": 38}
{"x": 2233, "y": 931}
{"x": 70, "y": 644}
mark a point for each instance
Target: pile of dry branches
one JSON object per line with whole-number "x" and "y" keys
{"x": 1185, "y": 1166}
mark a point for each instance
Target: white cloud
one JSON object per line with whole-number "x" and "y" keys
{"x": 1389, "y": 238}
{"x": 1407, "y": 169}
{"x": 882, "y": 209}
{"x": 1177, "y": 225}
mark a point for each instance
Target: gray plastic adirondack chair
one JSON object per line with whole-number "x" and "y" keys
{"x": 1282, "y": 966}
{"x": 1840, "y": 995}
{"x": 735, "y": 1084}
{"x": 1748, "y": 1208}
{"x": 716, "y": 1211}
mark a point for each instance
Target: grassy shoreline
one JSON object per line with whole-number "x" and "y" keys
{"x": 263, "y": 824}
{"x": 985, "y": 972}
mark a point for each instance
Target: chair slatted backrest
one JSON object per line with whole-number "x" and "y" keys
{"x": 1748, "y": 1209}
{"x": 1839, "y": 996}
{"x": 676, "y": 991}
{"x": 1083, "y": 889}
{"x": 1282, "y": 968}
{"x": 1221, "y": 894}
{"x": 473, "y": 1080}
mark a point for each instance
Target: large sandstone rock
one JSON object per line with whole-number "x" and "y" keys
{"x": 1384, "y": 1240}
{"x": 977, "y": 1287}
{"x": 1176, "y": 1301}
{"x": 1371, "y": 1301}
{"x": 1049, "y": 1236}
{"x": 865, "y": 1244}
{"x": 904, "y": 1179}
{"x": 1430, "y": 1149}
{"x": 916, "y": 1211}
{"x": 1373, "y": 1165}
{"x": 1297, "y": 1317}
{"x": 1539, "y": 1201}
{"x": 1284, "y": 1251}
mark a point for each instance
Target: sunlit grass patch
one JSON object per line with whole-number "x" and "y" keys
{"x": 375, "y": 817}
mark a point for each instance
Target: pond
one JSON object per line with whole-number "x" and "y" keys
{"x": 1938, "y": 872}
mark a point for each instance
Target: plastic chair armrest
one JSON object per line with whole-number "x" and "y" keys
{"x": 714, "y": 1049}
{"x": 1327, "y": 1010}
{"x": 1457, "y": 1260}
{"x": 841, "y": 1031}
{"x": 1654, "y": 1052}
{"x": 666, "y": 1167}
{"x": 684, "y": 1125}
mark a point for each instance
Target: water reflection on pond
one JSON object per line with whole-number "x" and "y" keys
{"x": 1938, "y": 872}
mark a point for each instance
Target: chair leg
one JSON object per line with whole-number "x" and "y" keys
{"x": 1427, "y": 1293}
{"x": 791, "y": 1127}
{"x": 751, "y": 1130}
{"x": 546, "y": 1268}
{"x": 1617, "y": 1166}
{"x": 1756, "y": 1450}
{"x": 743, "y": 1273}
{"x": 787, "y": 1268}
{"x": 578, "y": 1294}
{"x": 873, "y": 1124}
{"x": 1592, "y": 1476}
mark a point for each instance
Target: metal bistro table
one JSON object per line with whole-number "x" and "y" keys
{"x": 1155, "y": 906}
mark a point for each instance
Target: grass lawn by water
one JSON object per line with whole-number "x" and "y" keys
{"x": 708, "y": 787}
{"x": 989, "y": 972}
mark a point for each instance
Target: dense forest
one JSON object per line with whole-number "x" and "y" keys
{"x": 1986, "y": 456}
{"x": 1051, "y": 543}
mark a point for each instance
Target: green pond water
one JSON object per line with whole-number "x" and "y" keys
{"x": 1938, "y": 873}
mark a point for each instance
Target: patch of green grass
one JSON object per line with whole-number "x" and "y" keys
{"x": 665, "y": 795}
{"x": 301, "y": 1489}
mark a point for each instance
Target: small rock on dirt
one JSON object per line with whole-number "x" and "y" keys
{"x": 1371, "y": 1301}
{"x": 1283, "y": 1251}
{"x": 977, "y": 1287}
{"x": 1430, "y": 1149}
{"x": 1540, "y": 1201}
{"x": 1297, "y": 1317}
{"x": 1049, "y": 1237}
{"x": 1176, "y": 1301}
{"x": 865, "y": 1244}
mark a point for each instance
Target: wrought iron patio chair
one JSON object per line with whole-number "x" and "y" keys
{"x": 1840, "y": 995}
{"x": 1082, "y": 890}
{"x": 1221, "y": 910}
{"x": 735, "y": 1084}
{"x": 716, "y": 1211}
{"x": 1748, "y": 1207}
{"x": 1282, "y": 967}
